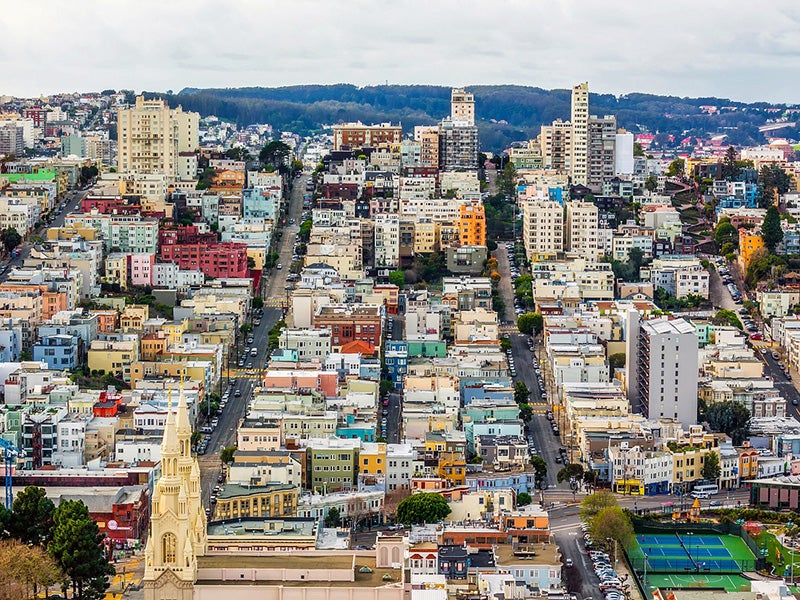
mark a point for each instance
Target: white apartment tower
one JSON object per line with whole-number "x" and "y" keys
{"x": 661, "y": 363}
{"x": 462, "y": 106}
{"x": 151, "y": 136}
{"x": 542, "y": 227}
{"x": 580, "y": 133}
{"x": 581, "y": 229}
{"x": 555, "y": 143}
{"x": 387, "y": 241}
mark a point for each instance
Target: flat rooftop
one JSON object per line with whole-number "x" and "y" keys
{"x": 299, "y": 561}
{"x": 539, "y": 555}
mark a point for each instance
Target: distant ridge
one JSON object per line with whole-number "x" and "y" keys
{"x": 505, "y": 113}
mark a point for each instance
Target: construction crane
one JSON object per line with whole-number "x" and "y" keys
{"x": 10, "y": 454}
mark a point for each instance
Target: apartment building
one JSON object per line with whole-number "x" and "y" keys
{"x": 581, "y": 229}
{"x": 555, "y": 144}
{"x": 387, "y": 241}
{"x": 542, "y": 228}
{"x": 579, "y": 117}
{"x": 472, "y": 225}
{"x": 151, "y": 136}
{"x": 348, "y": 136}
{"x": 662, "y": 367}
{"x": 601, "y": 151}
{"x": 458, "y": 145}
{"x": 462, "y": 106}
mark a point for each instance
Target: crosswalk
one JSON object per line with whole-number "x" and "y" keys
{"x": 244, "y": 373}
{"x": 275, "y": 302}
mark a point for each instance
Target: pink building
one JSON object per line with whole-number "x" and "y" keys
{"x": 322, "y": 381}
{"x": 140, "y": 267}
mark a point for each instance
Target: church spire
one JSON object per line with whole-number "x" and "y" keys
{"x": 169, "y": 445}
{"x": 183, "y": 426}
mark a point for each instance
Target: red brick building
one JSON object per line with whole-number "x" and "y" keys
{"x": 183, "y": 234}
{"x": 226, "y": 259}
{"x": 350, "y": 323}
{"x": 106, "y": 205}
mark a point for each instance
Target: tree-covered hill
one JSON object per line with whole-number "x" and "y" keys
{"x": 505, "y": 113}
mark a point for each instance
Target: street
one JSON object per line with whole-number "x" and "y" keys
{"x": 246, "y": 380}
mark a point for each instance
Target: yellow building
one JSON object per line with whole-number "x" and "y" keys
{"x": 372, "y": 459}
{"x": 750, "y": 244}
{"x": 193, "y": 370}
{"x": 117, "y": 269}
{"x": 113, "y": 356}
{"x": 688, "y": 458}
{"x": 267, "y": 501}
{"x": 426, "y": 236}
{"x": 174, "y": 331}
{"x": 472, "y": 225}
{"x": 133, "y": 317}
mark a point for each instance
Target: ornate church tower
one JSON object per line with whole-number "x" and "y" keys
{"x": 177, "y": 522}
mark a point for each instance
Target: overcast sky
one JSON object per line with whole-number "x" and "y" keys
{"x": 739, "y": 49}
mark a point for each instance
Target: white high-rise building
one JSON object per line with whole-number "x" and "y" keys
{"x": 542, "y": 227}
{"x": 387, "y": 241}
{"x": 151, "y": 137}
{"x": 661, "y": 363}
{"x": 580, "y": 133}
{"x": 581, "y": 229}
{"x": 462, "y": 106}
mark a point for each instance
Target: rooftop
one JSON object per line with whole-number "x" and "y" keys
{"x": 540, "y": 554}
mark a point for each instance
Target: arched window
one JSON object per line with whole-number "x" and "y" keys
{"x": 169, "y": 545}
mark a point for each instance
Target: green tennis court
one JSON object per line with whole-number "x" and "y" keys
{"x": 730, "y": 583}
{"x": 684, "y": 553}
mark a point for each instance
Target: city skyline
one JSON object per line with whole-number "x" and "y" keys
{"x": 742, "y": 52}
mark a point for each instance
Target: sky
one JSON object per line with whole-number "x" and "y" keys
{"x": 736, "y": 49}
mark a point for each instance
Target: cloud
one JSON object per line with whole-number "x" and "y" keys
{"x": 735, "y": 48}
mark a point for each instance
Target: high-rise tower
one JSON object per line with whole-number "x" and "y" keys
{"x": 580, "y": 133}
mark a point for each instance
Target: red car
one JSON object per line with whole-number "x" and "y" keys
{"x": 756, "y": 336}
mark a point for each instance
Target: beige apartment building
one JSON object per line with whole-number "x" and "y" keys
{"x": 152, "y": 135}
{"x": 580, "y": 133}
{"x": 542, "y": 228}
{"x": 581, "y": 229}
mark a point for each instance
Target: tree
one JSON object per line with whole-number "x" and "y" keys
{"x": 569, "y": 472}
{"x": 724, "y": 233}
{"x": 24, "y": 570}
{"x": 530, "y": 323}
{"x": 637, "y": 149}
{"x": 635, "y": 260}
{"x": 397, "y": 278}
{"x": 274, "y": 153}
{"x": 10, "y": 238}
{"x": 771, "y": 231}
{"x": 505, "y": 344}
{"x": 521, "y": 392}
{"x": 507, "y": 179}
{"x": 539, "y": 469}
{"x": 677, "y": 168}
{"x": 77, "y": 550}
{"x": 727, "y": 318}
{"x": 33, "y": 516}
{"x": 226, "y": 454}
{"x": 729, "y": 417}
{"x": 385, "y": 386}
{"x": 525, "y": 412}
{"x": 773, "y": 180}
{"x": 711, "y": 468}
{"x": 730, "y": 169}
{"x": 611, "y": 522}
{"x": 596, "y": 502}
{"x": 616, "y": 361}
{"x": 258, "y": 302}
{"x": 333, "y": 518}
{"x": 651, "y": 184}
{"x": 422, "y": 508}
{"x": 523, "y": 499}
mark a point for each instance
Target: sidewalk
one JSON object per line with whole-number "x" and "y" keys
{"x": 129, "y": 573}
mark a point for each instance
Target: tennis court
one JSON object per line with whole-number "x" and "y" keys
{"x": 686, "y": 552}
{"x": 730, "y": 583}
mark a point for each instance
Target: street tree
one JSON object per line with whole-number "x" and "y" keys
{"x": 572, "y": 471}
{"x": 77, "y": 549}
{"x": 25, "y": 570}
{"x": 539, "y": 469}
{"x": 771, "y": 230}
{"x": 226, "y": 454}
{"x": 258, "y": 302}
{"x": 711, "y": 468}
{"x": 525, "y": 412}
{"x": 677, "y": 168}
{"x": 611, "y": 522}
{"x": 651, "y": 184}
{"x": 521, "y": 392}
{"x": 32, "y": 521}
{"x": 530, "y": 323}
{"x": 725, "y": 232}
{"x": 594, "y": 503}
{"x": 10, "y": 238}
{"x": 427, "y": 507}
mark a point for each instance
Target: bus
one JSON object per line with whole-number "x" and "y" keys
{"x": 704, "y": 490}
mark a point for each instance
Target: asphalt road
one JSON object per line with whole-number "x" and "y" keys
{"x": 782, "y": 383}
{"x": 71, "y": 200}
{"x": 247, "y": 379}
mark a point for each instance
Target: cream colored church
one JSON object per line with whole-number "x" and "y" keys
{"x": 181, "y": 564}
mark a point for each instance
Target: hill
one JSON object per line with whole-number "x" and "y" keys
{"x": 506, "y": 113}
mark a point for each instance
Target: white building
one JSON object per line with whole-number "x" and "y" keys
{"x": 680, "y": 276}
{"x": 542, "y": 227}
{"x": 581, "y": 229}
{"x": 387, "y": 241}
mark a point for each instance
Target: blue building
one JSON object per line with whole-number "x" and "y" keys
{"x": 259, "y": 203}
{"x": 370, "y": 369}
{"x": 486, "y": 390}
{"x": 59, "y": 351}
{"x": 352, "y": 429}
{"x": 10, "y": 344}
{"x": 453, "y": 561}
{"x": 396, "y": 360}
{"x": 521, "y": 482}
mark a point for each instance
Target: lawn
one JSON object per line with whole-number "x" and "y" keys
{"x": 777, "y": 554}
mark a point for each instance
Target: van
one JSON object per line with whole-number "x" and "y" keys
{"x": 253, "y": 351}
